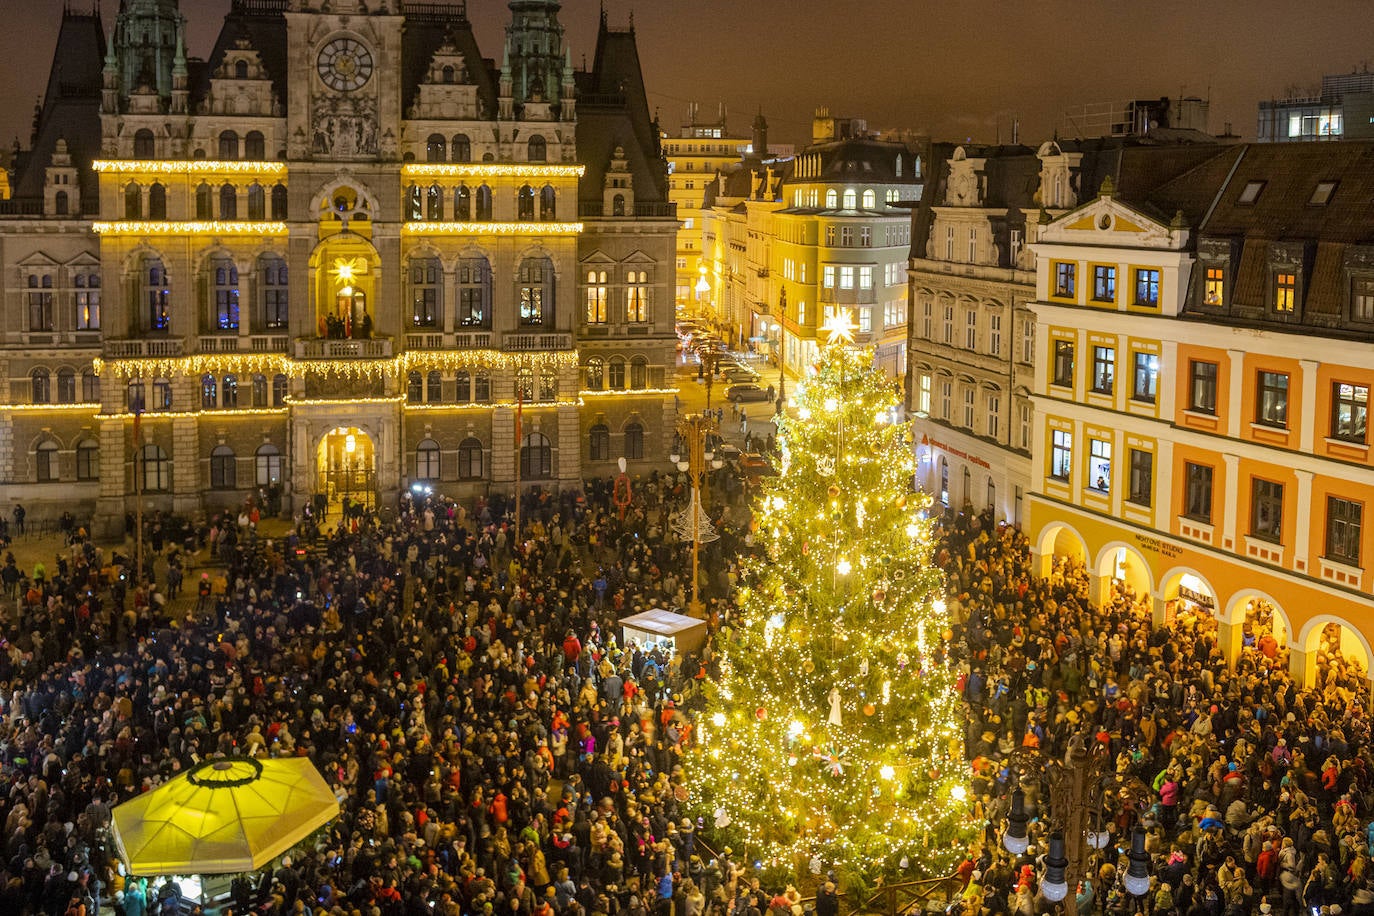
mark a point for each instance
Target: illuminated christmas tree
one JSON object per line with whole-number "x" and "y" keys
{"x": 834, "y": 732}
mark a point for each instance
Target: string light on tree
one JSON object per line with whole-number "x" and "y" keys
{"x": 837, "y": 730}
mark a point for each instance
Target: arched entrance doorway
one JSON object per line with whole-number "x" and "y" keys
{"x": 1121, "y": 567}
{"x": 346, "y": 468}
{"x": 1254, "y": 622}
{"x": 1189, "y": 602}
{"x": 1333, "y": 657}
{"x": 1059, "y": 544}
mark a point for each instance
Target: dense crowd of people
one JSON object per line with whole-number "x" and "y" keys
{"x": 498, "y": 750}
{"x": 461, "y": 686}
{"x": 1255, "y": 792}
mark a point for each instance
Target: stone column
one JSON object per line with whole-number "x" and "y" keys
{"x": 186, "y": 483}
{"x": 503, "y": 449}
{"x": 569, "y": 469}
{"x": 114, "y": 480}
{"x": 1229, "y": 641}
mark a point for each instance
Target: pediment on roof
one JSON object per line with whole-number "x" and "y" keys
{"x": 1107, "y": 221}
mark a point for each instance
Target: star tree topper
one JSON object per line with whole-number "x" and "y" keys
{"x": 841, "y": 327}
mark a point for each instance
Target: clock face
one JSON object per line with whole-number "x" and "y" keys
{"x": 345, "y": 64}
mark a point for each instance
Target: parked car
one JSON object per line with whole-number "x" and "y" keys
{"x": 741, "y": 374}
{"x": 752, "y": 464}
{"x": 747, "y": 392}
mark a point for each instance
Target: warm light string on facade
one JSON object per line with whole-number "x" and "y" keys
{"x": 423, "y": 227}
{"x": 188, "y": 167}
{"x": 281, "y": 364}
{"x": 490, "y": 170}
{"x": 199, "y": 228}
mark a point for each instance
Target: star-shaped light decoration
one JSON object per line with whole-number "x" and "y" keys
{"x": 841, "y": 327}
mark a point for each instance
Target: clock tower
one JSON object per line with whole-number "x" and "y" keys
{"x": 345, "y": 60}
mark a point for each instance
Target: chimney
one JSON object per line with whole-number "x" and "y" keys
{"x": 760, "y": 136}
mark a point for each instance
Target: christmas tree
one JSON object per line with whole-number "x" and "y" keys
{"x": 834, "y": 732}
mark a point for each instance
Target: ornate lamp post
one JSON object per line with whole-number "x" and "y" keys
{"x": 1078, "y": 786}
{"x": 691, "y": 523}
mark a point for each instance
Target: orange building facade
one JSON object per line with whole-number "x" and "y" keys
{"x": 1205, "y": 351}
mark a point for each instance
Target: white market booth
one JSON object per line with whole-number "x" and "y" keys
{"x": 661, "y": 628}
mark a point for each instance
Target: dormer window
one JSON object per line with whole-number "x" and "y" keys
{"x": 1250, "y": 193}
{"x": 1362, "y": 298}
{"x": 1214, "y": 286}
{"x": 1285, "y": 292}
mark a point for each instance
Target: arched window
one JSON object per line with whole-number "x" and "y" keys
{"x": 446, "y": 75}
{"x": 241, "y": 70}
{"x": 88, "y": 460}
{"x": 427, "y": 460}
{"x": 484, "y": 204}
{"x": 525, "y": 203}
{"x": 66, "y": 386}
{"x": 434, "y": 387}
{"x": 462, "y": 392}
{"x": 47, "y": 461}
{"x": 157, "y": 296}
{"x": 851, "y": 199}
{"x": 434, "y": 203}
{"x": 273, "y": 284}
{"x": 40, "y": 298}
{"x": 617, "y": 374}
{"x": 600, "y": 441}
{"x": 224, "y": 292}
{"x": 870, "y": 199}
{"x": 228, "y": 202}
{"x": 257, "y": 202}
{"x": 222, "y": 476}
{"x": 548, "y": 204}
{"x": 536, "y": 281}
{"x": 639, "y": 373}
{"x": 415, "y": 388}
{"x": 538, "y": 149}
{"x": 259, "y": 387}
{"x": 637, "y": 296}
{"x": 133, "y": 200}
{"x": 462, "y": 204}
{"x": 145, "y": 144}
{"x": 634, "y": 441}
{"x": 280, "y": 386}
{"x": 618, "y": 205}
{"x": 156, "y": 469}
{"x": 40, "y": 386}
{"x": 88, "y": 301}
{"x": 268, "y": 465}
{"x": 255, "y": 146}
{"x": 136, "y": 398}
{"x": 474, "y": 292}
{"x": 832, "y": 199}
{"x": 90, "y": 387}
{"x": 548, "y": 385}
{"x": 415, "y": 203}
{"x": 61, "y": 203}
{"x": 436, "y": 148}
{"x": 470, "y": 459}
{"x": 205, "y": 202}
{"x": 481, "y": 388}
{"x": 157, "y": 201}
{"x": 162, "y": 394}
{"x": 209, "y": 392}
{"x": 596, "y": 374}
{"x": 461, "y": 150}
{"x": 280, "y": 208}
{"x": 536, "y": 457}
{"x": 228, "y": 145}
{"x": 426, "y": 279}
{"x": 229, "y": 392}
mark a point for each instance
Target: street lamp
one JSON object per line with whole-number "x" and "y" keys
{"x": 782, "y": 350}
{"x": 691, "y": 523}
{"x": 1076, "y": 795}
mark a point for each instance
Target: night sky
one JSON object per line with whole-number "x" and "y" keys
{"x": 954, "y": 70}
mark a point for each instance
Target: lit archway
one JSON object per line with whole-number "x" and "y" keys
{"x": 346, "y": 467}
{"x": 1335, "y": 654}
{"x": 1121, "y": 563}
{"x": 1189, "y": 599}
{"x": 1062, "y": 540}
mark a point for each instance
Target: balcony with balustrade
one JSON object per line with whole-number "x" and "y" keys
{"x": 250, "y": 343}
{"x": 344, "y": 348}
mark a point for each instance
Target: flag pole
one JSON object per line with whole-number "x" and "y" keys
{"x": 519, "y": 431}
{"x": 139, "y": 459}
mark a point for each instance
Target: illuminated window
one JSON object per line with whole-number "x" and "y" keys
{"x": 637, "y": 296}
{"x": 1271, "y": 401}
{"x": 525, "y": 204}
{"x": 1203, "y": 386}
{"x": 275, "y": 311}
{"x": 46, "y": 459}
{"x": 832, "y": 199}
{"x": 536, "y": 279}
{"x": 596, "y": 374}
{"x": 1063, "y": 364}
{"x": 426, "y": 277}
{"x": 851, "y": 199}
{"x": 436, "y": 148}
{"x": 1147, "y": 288}
{"x": 1104, "y": 284}
{"x": 1065, "y": 276}
{"x": 596, "y": 297}
{"x": 1214, "y": 286}
{"x": 1061, "y": 454}
{"x": 1349, "y": 411}
{"x": 229, "y": 392}
{"x": 870, "y": 199}
{"x": 1285, "y": 292}
{"x": 1266, "y": 509}
{"x": 209, "y": 392}
{"x": 224, "y": 279}
{"x": 1100, "y": 465}
{"x": 474, "y": 292}
{"x": 1146, "y": 384}
{"x": 462, "y": 204}
{"x": 157, "y": 295}
{"x": 268, "y": 465}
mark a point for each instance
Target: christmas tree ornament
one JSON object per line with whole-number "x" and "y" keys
{"x": 869, "y": 709}
{"x": 833, "y": 491}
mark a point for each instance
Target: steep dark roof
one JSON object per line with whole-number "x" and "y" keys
{"x": 424, "y": 35}
{"x": 262, "y": 25}
{"x": 613, "y": 110}
{"x": 862, "y": 159}
{"x": 741, "y": 178}
{"x": 71, "y": 106}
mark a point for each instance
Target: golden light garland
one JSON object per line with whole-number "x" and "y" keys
{"x": 616, "y": 392}
{"x": 281, "y": 364}
{"x": 422, "y": 227}
{"x": 491, "y": 170}
{"x": 35, "y": 408}
{"x": 167, "y": 227}
{"x": 188, "y": 166}
{"x": 488, "y": 405}
{"x": 218, "y": 412}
